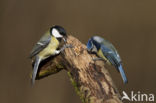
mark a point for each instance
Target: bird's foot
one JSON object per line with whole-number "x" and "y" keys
{"x": 95, "y": 59}
{"x": 66, "y": 46}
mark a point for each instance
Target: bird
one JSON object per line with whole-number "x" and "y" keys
{"x": 47, "y": 46}
{"x": 107, "y": 52}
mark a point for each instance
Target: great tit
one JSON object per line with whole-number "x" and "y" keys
{"x": 47, "y": 46}
{"x": 106, "y": 51}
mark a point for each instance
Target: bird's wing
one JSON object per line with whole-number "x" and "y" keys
{"x": 40, "y": 45}
{"x": 111, "y": 48}
{"x": 109, "y": 45}
{"x": 110, "y": 55}
{"x": 115, "y": 60}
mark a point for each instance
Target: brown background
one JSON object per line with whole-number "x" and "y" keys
{"x": 130, "y": 25}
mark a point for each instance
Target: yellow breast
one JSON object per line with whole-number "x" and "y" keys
{"x": 100, "y": 54}
{"x": 50, "y": 49}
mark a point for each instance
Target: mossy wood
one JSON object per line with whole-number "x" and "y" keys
{"x": 90, "y": 79}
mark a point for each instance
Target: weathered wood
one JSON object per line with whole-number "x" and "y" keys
{"x": 90, "y": 78}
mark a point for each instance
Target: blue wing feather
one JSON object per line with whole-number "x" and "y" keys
{"x": 110, "y": 55}
{"x": 122, "y": 74}
{"x": 114, "y": 59}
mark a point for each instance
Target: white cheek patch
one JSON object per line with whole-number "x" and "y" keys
{"x": 94, "y": 49}
{"x": 56, "y": 34}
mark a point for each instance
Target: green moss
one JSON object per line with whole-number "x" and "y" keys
{"x": 59, "y": 66}
{"x": 81, "y": 95}
{"x": 49, "y": 71}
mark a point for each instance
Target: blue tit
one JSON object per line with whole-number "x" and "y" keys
{"x": 105, "y": 50}
{"x": 47, "y": 46}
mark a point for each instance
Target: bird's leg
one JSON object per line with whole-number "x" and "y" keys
{"x": 95, "y": 59}
{"x": 66, "y": 46}
{"x": 62, "y": 49}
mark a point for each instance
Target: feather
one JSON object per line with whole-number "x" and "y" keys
{"x": 41, "y": 44}
{"x": 36, "y": 65}
{"x": 122, "y": 74}
{"x": 115, "y": 60}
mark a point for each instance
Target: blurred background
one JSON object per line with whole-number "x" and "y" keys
{"x": 130, "y": 25}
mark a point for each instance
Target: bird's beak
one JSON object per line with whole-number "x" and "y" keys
{"x": 64, "y": 40}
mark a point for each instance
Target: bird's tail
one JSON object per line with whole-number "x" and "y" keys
{"x": 122, "y": 74}
{"x": 36, "y": 65}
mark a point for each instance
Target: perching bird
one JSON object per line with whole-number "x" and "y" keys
{"x": 106, "y": 51}
{"x": 47, "y": 46}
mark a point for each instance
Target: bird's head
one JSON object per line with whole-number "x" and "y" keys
{"x": 58, "y": 32}
{"x": 94, "y": 44}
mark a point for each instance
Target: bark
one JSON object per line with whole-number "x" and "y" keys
{"x": 90, "y": 79}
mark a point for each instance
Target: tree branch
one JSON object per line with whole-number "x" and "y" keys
{"x": 90, "y": 78}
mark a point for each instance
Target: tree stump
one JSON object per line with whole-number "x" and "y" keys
{"x": 90, "y": 79}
